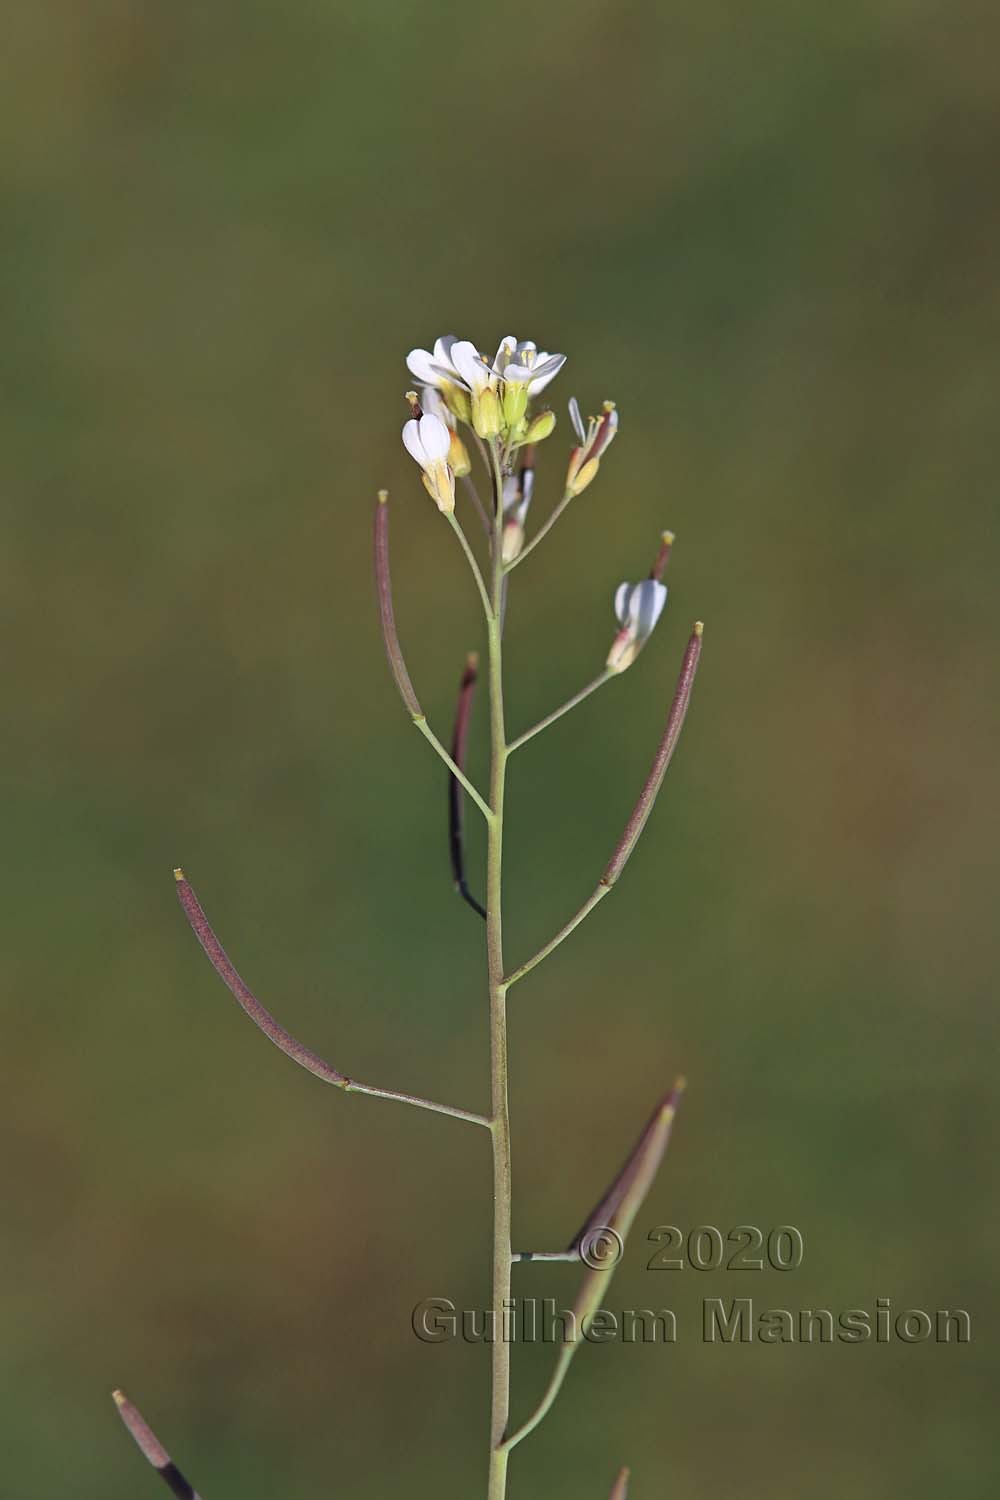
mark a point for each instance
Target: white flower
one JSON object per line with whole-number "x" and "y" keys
{"x": 433, "y": 369}
{"x": 428, "y": 442}
{"x": 477, "y": 378}
{"x": 472, "y": 370}
{"x": 599, "y": 431}
{"x": 492, "y": 396}
{"x": 433, "y": 404}
{"x": 638, "y": 607}
{"x": 595, "y": 439}
{"x": 523, "y": 363}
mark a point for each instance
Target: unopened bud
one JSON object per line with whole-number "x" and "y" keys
{"x": 515, "y": 402}
{"x": 540, "y": 427}
{"x": 458, "y": 456}
{"x": 412, "y": 401}
{"x": 457, "y": 401}
{"x": 513, "y": 540}
{"x": 486, "y": 413}
{"x": 578, "y": 475}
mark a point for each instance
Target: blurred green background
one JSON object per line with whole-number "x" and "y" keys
{"x": 771, "y": 233}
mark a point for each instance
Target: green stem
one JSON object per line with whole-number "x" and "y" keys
{"x": 561, "y": 936}
{"x": 527, "y": 551}
{"x": 499, "y": 1122}
{"x": 456, "y": 771}
{"x": 557, "y": 713}
{"x": 471, "y": 559}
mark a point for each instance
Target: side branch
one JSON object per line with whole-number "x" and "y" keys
{"x": 394, "y": 653}
{"x": 275, "y": 1032}
{"x": 383, "y": 582}
{"x": 470, "y": 558}
{"x": 643, "y": 807}
{"x": 152, "y": 1449}
{"x": 661, "y": 760}
{"x": 557, "y": 713}
{"x": 543, "y": 532}
{"x": 621, "y": 1203}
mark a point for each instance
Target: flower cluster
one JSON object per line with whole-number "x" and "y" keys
{"x": 492, "y": 396}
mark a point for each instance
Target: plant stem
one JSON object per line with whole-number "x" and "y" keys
{"x": 432, "y": 739}
{"x": 542, "y": 532}
{"x": 471, "y": 559}
{"x": 499, "y": 1122}
{"x": 557, "y": 713}
{"x": 561, "y": 936}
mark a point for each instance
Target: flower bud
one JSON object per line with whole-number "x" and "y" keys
{"x": 458, "y": 456}
{"x": 486, "y": 413}
{"x": 513, "y": 539}
{"x": 457, "y": 401}
{"x": 515, "y": 402}
{"x": 540, "y": 427}
{"x": 581, "y": 471}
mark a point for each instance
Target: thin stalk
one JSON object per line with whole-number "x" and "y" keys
{"x": 456, "y": 771}
{"x": 352, "y": 1086}
{"x": 500, "y": 1121}
{"x": 643, "y": 807}
{"x": 527, "y": 550}
{"x": 661, "y": 760}
{"x": 471, "y": 559}
{"x": 394, "y": 652}
{"x": 557, "y": 713}
{"x": 561, "y": 936}
{"x": 547, "y": 1255}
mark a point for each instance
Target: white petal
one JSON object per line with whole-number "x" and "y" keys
{"x": 646, "y": 606}
{"x": 576, "y": 419}
{"x": 442, "y": 348}
{"x": 607, "y": 427}
{"x": 434, "y": 436}
{"x": 421, "y": 364}
{"x": 432, "y": 401}
{"x": 622, "y": 595}
{"x": 543, "y": 373}
{"x": 524, "y": 347}
{"x": 511, "y": 491}
{"x": 412, "y": 443}
{"x": 447, "y": 375}
{"x": 465, "y": 357}
{"x": 505, "y": 353}
{"x": 517, "y": 372}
